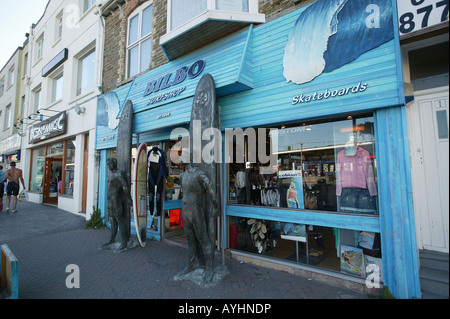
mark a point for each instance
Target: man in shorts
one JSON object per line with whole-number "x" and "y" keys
{"x": 13, "y": 175}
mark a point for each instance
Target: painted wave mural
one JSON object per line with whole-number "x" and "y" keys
{"x": 107, "y": 109}
{"x": 332, "y": 33}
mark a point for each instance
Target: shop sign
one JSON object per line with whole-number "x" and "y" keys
{"x": 49, "y": 128}
{"x": 289, "y": 174}
{"x": 165, "y": 82}
{"x": 59, "y": 59}
{"x": 414, "y": 15}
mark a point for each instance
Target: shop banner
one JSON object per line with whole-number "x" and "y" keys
{"x": 51, "y": 127}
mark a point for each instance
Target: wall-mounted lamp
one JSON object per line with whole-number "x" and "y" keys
{"x": 79, "y": 109}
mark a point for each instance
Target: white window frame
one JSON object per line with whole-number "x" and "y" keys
{"x": 58, "y": 26}
{"x": 211, "y": 13}
{"x": 10, "y": 79}
{"x": 86, "y": 5}
{"x": 7, "y": 122}
{"x": 140, "y": 39}
{"x": 79, "y": 70}
{"x": 40, "y": 47}
{"x": 37, "y": 92}
{"x": 2, "y": 86}
{"x": 54, "y": 78}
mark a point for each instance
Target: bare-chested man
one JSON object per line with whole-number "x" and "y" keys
{"x": 13, "y": 175}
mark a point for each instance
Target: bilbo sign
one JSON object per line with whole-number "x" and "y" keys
{"x": 48, "y": 128}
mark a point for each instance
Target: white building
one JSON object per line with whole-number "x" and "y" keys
{"x": 12, "y": 98}
{"x": 63, "y": 81}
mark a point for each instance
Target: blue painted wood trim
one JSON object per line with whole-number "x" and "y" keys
{"x": 397, "y": 225}
{"x": 316, "y": 218}
{"x": 103, "y": 181}
{"x": 172, "y": 204}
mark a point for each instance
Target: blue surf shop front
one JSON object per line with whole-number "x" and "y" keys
{"x": 321, "y": 176}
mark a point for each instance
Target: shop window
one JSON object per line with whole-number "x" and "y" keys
{"x": 86, "y": 71}
{"x": 139, "y": 41}
{"x": 69, "y": 169}
{"x": 37, "y": 169}
{"x": 320, "y": 166}
{"x": 356, "y": 253}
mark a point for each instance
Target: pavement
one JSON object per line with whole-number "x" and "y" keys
{"x": 55, "y": 251}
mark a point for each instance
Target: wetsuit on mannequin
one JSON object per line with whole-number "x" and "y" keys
{"x": 157, "y": 172}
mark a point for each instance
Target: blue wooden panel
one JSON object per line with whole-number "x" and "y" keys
{"x": 270, "y": 100}
{"x": 400, "y": 259}
{"x": 353, "y": 222}
{"x": 172, "y": 204}
{"x": 102, "y": 182}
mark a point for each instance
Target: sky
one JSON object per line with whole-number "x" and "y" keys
{"x": 16, "y": 18}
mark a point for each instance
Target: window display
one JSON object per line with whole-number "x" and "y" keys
{"x": 341, "y": 250}
{"x": 323, "y": 166}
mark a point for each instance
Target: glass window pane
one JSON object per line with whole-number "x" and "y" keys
{"x": 57, "y": 88}
{"x": 70, "y": 167}
{"x": 147, "y": 16}
{"x": 442, "y": 123}
{"x": 37, "y": 169}
{"x": 133, "y": 59}
{"x": 146, "y": 51}
{"x": 183, "y": 11}
{"x": 232, "y": 5}
{"x": 86, "y": 71}
{"x": 133, "y": 30}
{"x": 329, "y": 166}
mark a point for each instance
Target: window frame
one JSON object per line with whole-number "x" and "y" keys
{"x": 54, "y": 78}
{"x": 7, "y": 119}
{"x": 40, "y": 47}
{"x": 59, "y": 26}
{"x": 10, "y": 79}
{"x": 79, "y": 90}
{"x": 86, "y": 5}
{"x": 140, "y": 39}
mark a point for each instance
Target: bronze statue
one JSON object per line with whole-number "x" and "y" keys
{"x": 199, "y": 212}
{"x": 118, "y": 204}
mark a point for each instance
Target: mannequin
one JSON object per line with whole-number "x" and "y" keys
{"x": 355, "y": 180}
{"x": 157, "y": 173}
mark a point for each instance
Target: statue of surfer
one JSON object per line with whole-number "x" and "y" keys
{"x": 118, "y": 203}
{"x": 199, "y": 213}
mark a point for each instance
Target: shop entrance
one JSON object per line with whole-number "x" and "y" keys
{"x": 52, "y": 180}
{"x": 428, "y": 125}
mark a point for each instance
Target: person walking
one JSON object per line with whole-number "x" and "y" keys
{"x": 2, "y": 186}
{"x": 13, "y": 175}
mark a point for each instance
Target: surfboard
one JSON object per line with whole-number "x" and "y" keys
{"x": 123, "y": 149}
{"x": 140, "y": 194}
{"x": 204, "y": 110}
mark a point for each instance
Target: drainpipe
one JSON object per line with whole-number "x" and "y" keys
{"x": 99, "y": 48}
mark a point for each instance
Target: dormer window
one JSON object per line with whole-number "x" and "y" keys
{"x": 192, "y": 24}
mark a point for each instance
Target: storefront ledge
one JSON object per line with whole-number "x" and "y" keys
{"x": 321, "y": 275}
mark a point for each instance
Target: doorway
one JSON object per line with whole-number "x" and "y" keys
{"x": 52, "y": 180}
{"x": 429, "y": 148}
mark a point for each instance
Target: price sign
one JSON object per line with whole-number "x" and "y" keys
{"x": 414, "y": 15}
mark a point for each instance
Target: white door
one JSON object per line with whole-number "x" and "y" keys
{"x": 428, "y": 132}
